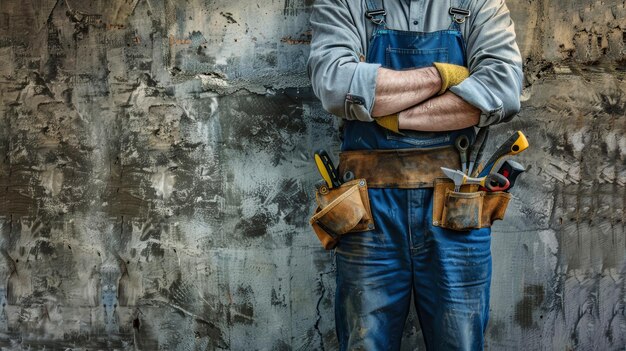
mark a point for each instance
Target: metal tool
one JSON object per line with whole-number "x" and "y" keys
{"x": 515, "y": 144}
{"x": 348, "y": 176}
{"x": 511, "y": 169}
{"x": 462, "y": 145}
{"x": 491, "y": 182}
{"x": 477, "y": 149}
{"x": 326, "y": 168}
{"x": 322, "y": 187}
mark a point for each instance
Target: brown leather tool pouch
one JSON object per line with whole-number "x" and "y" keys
{"x": 342, "y": 210}
{"x": 467, "y": 209}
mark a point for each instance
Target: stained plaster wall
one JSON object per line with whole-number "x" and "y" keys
{"x": 156, "y": 178}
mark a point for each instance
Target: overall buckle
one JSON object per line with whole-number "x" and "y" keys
{"x": 459, "y": 15}
{"x": 373, "y": 15}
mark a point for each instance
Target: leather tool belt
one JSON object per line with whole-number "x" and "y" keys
{"x": 346, "y": 208}
{"x": 399, "y": 168}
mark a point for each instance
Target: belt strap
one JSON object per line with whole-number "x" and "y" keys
{"x": 399, "y": 168}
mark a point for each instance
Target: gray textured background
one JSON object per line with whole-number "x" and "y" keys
{"x": 156, "y": 179}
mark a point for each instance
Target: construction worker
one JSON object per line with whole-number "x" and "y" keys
{"x": 413, "y": 75}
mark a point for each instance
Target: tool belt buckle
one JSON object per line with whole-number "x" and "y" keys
{"x": 459, "y": 15}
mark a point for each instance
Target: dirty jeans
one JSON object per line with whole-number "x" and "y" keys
{"x": 447, "y": 272}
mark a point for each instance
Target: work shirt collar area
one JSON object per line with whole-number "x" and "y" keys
{"x": 411, "y": 15}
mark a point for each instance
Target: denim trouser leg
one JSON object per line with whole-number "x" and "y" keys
{"x": 377, "y": 271}
{"x": 451, "y": 279}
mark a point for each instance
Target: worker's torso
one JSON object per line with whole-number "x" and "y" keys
{"x": 405, "y": 49}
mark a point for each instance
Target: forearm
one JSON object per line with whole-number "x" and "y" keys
{"x": 441, "y": 113}
{"x": 399, "y": 90}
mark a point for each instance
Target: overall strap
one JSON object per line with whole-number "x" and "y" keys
{"x": 374, "y": 12}
{"x": 459, "y": 13}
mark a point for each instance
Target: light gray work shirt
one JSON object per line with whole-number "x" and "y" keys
{"x": 341, "y": 36}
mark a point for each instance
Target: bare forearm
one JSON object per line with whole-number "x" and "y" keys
{"x": 398, "y": 90}
{"x": 441, "y": 113}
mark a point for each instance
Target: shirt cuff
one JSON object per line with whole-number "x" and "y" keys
{"x": 362, "y": 91}
{"x": 476, "y": 93}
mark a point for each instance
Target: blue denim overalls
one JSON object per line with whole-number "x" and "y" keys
{"x": 447, "y": 272}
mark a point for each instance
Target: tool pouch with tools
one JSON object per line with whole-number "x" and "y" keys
{"x": 467, "y": 209}
{"x": 341, "y": 210}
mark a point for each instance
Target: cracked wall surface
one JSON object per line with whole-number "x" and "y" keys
{"x": 156, "y": 179}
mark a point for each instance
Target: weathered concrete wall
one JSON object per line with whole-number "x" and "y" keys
{"x": 156, "y": 179}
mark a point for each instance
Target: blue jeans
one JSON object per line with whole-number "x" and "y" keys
{"x": 447, "y": 272}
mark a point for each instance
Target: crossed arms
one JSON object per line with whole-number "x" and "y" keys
{"x": 411, "y": 94}
{"x": 490, "y": 95}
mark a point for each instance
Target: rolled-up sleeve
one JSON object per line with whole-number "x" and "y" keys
{"x": 495, "y": 64}
{"x": 345, "y": 85}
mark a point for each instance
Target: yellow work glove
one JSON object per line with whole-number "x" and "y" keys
{"x": 451, "y": 75}
{"x": 389, "y": 122}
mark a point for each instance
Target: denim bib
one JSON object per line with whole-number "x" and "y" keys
{"x": 398, "y": 50}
